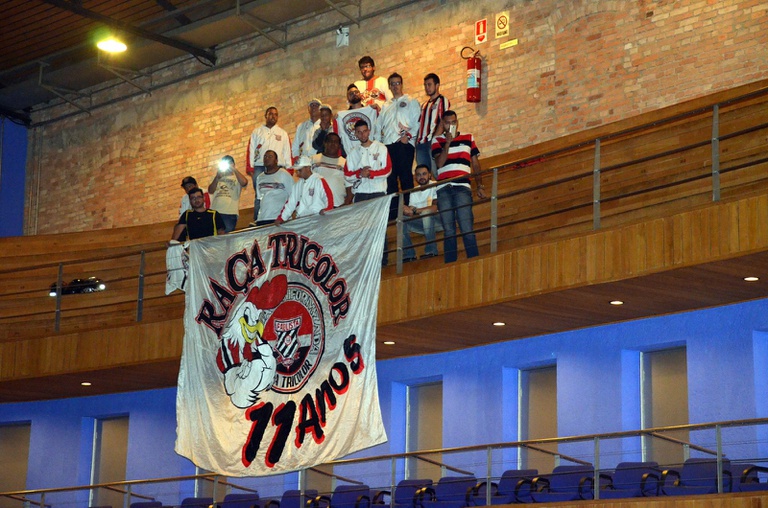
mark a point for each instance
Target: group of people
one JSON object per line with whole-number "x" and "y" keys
{"x": 363, "y": 152}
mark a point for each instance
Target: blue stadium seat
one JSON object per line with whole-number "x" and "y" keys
{"x": 632, "y": 479}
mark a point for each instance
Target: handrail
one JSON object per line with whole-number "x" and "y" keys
{"x": 334, "y": 475}
{"x": 228, "y": 484}
{"x": 531, "y": 444}
{"x": 446, "y": 466}
{"x": 577, "y": 206}
{"x": 562, "y": 455}
{"x": 684, "y": 443}
{"x": 123, "y": 491}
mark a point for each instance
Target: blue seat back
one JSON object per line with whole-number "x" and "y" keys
{"x": 703, "y": 473}
{"x": 347, "y": 496}
{"x": 630, "y": 474}
{"x": 197, "y": 502}
{"x": 147, "y": 504}
{"x": 511, "y": 477}
{"x": 567, "y": 478}
{"x": 406, "y": 489}
{"x": 240, "y": 500}
{"x": 454, "y": 488}
{"x": 292, "y": 498}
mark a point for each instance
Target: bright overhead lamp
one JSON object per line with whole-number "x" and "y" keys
{"x": 499, "y": 323}
{"x": 111, "y": 45}
{"x": 389, "y": 342}
{"x": 617, "y": 302}
{"x": 751, "y": 279}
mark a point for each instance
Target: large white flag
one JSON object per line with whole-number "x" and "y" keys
{"x": 278, "y": 365}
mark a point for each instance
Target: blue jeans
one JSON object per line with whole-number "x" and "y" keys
{"x": 230, "y": 222}
{"x": 449, "y": 197}
{"x": 424, "y": 156}
{"x": 423, "y": 226}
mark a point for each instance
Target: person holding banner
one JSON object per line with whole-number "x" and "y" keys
{"x": 310, "y": 195}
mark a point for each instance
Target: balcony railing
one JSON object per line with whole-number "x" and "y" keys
{"x": 665, "y": 162}
{"x": 734, "y": 442}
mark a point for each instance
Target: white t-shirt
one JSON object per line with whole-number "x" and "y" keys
{"x": 423, "y": 198}
{"x": 226, "y": 197}
{"x": 332, "y": 169}
{"x": 273, "y": 191}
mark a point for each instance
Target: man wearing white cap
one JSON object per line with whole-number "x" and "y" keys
{"x": 302, "y": 142}
{"x": 310, "y": 194}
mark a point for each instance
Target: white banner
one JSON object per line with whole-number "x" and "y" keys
{"x": 278, "y": 368}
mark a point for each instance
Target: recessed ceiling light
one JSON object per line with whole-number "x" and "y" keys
{"x": 617, "y": 302}
{"x": 499, "y": 323}
{"x": 389, "y": 342}
{"x": 85, "y": 383}
{"x": 111, "y": 45}
{"x": 751, "y": 279}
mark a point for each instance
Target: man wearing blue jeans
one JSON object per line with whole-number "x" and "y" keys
{"x": 456, "y": 157}
{"x": 422, "y": 210}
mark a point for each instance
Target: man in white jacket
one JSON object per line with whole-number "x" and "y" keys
{"x": 310, "y": 194}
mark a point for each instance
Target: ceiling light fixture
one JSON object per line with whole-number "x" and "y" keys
{"x": 617, "y": 302}
{"x": 499, "y": 323}
{"x": 85, "y": 383}
{"x": 751, "y": 279}
{"x": 111, "y": 45}
{"x": 389, "y": 342}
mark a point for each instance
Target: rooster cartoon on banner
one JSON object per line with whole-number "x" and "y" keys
{"x": 278, "y": 365}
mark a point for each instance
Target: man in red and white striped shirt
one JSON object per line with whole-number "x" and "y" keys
{"x": 456, "y": 156}
{"x": 429, "y": 121}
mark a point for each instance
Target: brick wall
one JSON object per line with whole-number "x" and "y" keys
{"x": 578, "y": 64}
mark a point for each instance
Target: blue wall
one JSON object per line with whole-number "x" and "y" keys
{"x": 597, "y": 372}
{"x": 12, "y": 165}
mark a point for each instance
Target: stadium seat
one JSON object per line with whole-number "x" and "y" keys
{"x": 746, "y": 479}
{"x": 697, "y": 476}
{"x": 292, "y": 499}
{"x": 405, "y": 493}
{"x": 249, "y": 500}
{"x": 504, "y": 491}
{"x": 449, "y": 492}
{"x": 344, "y": 496}
{"x": 565, "y": 483}
{"x": 632, "y": 479}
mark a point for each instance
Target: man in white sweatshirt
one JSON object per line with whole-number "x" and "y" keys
{"x": 310, "y": 194}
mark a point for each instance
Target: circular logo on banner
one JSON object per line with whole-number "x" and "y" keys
{"x": 296, "y": 332}
{"x": 349, "y": 121}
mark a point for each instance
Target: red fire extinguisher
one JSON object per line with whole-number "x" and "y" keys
{"x": 474, "y": 69}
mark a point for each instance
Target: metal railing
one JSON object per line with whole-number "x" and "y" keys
{"x": 738, "y": 441}
{"x": 581, "y": 180}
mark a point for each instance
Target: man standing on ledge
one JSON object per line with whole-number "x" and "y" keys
{"x": 266, "y": 137}
{"x": 198, "y": 222}
{"x": 374, "y": 89}
{"x": 302, "y": 143}
{"x": 429, "y": 121}
{"x": 456, "y": 156}
{"x": 225, "y": 191}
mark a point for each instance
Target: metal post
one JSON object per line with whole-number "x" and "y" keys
{"x": 399, "y": 232}
{"x": 59, "y": 284}
{"x": 302, "y": 486}
{"x": 596, "y": 484}
{"x": 489, "y": 453}
{"x": 686, "y": 452}
{"x": 42, "y": 500}
{"x": 127, "y": 497}
{"x": 596, "y": 188}
{"x": 393, "y": 480}
{"x": 557, "y": 459}
{"x": 719, "y": 440}
{"x": 140, "y": 297}
{"x": 494, "y": 213}
{"x": 716, "y": 153}
{"x": 215, "y": 478}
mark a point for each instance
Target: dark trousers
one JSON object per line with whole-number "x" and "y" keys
{"x": 401, "y": 155}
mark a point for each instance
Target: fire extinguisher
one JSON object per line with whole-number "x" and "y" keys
{"x": 474, "y": 69}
